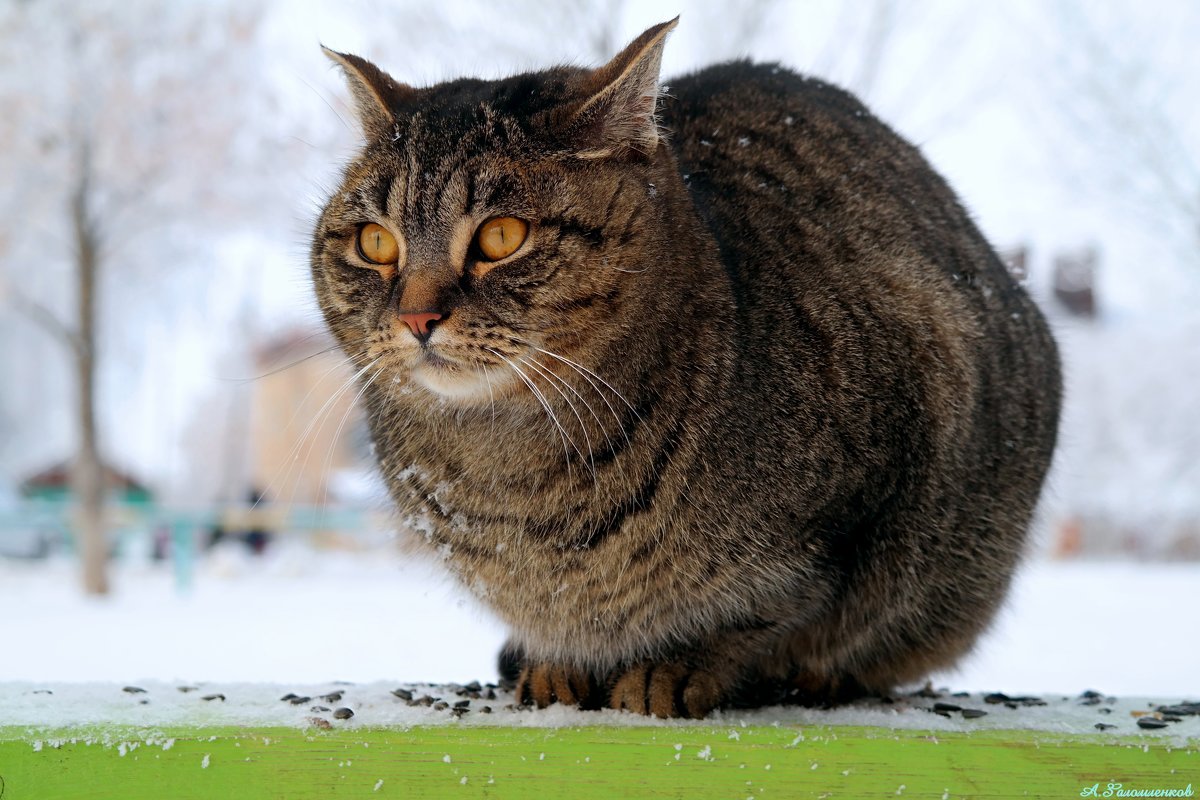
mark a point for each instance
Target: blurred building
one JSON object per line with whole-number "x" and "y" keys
{"x": 54, "y": 484}
{"x": 41, "y": 522}
{"x": 1075, "y": 282}
{"x": 1129, "y": 427}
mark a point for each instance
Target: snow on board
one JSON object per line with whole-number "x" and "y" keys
{"x": 58, "y": 706}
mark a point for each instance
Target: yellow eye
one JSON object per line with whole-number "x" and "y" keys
{"x": 378, "y": 246}
{"x": 500, "y": 237}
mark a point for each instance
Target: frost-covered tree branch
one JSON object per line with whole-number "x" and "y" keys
{"x": 1119, "y": 100}
{"x": 131, "y": 125}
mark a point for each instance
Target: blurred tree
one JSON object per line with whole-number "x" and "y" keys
{"x": 115, "y": 119}
{"x": 1122, "y": 90}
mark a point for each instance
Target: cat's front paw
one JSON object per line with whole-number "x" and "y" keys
{"x": 543, "y": 683}
{"x": 666, "y": 690}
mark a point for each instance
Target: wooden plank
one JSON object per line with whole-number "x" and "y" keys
{"x": 610, "y": 762}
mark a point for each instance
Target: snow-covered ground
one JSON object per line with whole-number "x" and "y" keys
{"x": 304, "y": 616}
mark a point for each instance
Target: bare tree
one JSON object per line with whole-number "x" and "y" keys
{"x": 118, "y": 113}
{"x": 88, "y": 470}
{"x": 1121, "y": 97}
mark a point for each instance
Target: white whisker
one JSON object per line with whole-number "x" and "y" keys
{"x": 294, "y": 452}
{"x": 491, "y": 396}
{"x": 541, "y": 399}
{"x": 577, "y": 365}
{"x": 582, "y": 427}
{"x": 338, "y": 432}
{"x": 323, "y": 415}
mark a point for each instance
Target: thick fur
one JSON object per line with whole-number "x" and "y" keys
{"x": 803, "y": 412}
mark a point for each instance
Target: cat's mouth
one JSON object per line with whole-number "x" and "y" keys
{"x": 432, "y": 368}
{"x": 433, "y": 360}
{"x": 452, "y": 378}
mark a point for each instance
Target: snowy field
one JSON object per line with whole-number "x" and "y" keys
{"x": 306, "y": 617}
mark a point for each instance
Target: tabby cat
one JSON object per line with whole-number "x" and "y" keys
{"x": 715, "y": 396}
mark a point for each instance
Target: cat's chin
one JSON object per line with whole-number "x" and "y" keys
{"x": 453, "y": 382}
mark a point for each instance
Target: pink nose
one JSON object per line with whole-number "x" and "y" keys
{"x": 418, "y": 323}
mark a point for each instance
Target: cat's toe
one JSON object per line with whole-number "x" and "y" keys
{"x": 702, "y": 694}
{"x": 544, "y": 684}
{"x": 666, "y": 690}
{"x": 821, "y": 690}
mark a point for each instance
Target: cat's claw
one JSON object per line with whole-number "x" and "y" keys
{"x": 666, "y": 690}
{"x": 544, "y": 684}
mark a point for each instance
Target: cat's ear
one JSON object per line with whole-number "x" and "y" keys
{"x": 619, "y": 114}
{"x": 376, "y": 94}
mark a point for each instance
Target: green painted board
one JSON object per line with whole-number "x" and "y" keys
{"x": 607, "y": 762}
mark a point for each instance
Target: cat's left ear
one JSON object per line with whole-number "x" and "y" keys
{"x": 377, "y": 96}
{"x": 619, "y": 114}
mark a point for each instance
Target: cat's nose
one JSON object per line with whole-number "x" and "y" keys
{"x": 420, "y": 323}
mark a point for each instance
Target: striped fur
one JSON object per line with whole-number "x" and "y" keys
{"x": 757, "y": 412}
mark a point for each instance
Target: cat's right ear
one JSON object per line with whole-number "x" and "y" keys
{"x": 620, "y": 113}
{"x": 377, "y": 95}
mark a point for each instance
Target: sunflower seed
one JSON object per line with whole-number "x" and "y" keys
{"x": 1180, "y": 710}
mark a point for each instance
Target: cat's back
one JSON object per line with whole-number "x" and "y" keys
{"x": 861, "y": 285}
{"x": 773, "y": 156}
{"x": 770, "y": 121}
{"x": 808, "y": 193}
{"x": 756, "y": 97}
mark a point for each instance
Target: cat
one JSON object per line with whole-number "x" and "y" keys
{"x": 715, "y": 396}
